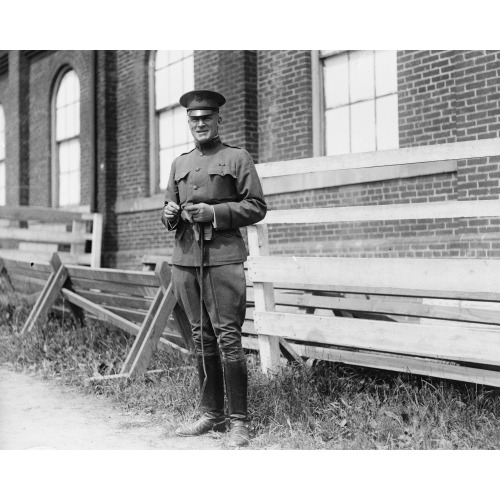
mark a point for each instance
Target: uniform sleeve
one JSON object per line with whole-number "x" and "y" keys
{"x": 250, "y": 206}
{"x": 172, "y": 194}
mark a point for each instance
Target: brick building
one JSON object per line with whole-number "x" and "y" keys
{"x": 96, "y": 130}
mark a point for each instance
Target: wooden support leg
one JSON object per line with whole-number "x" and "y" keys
{"x": 49, "y": 293}
{"x": 269, "y": 347}
{"x": 4, "y": 278}
{"x": 150, "y": 332}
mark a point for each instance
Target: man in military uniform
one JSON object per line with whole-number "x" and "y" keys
{"x": 213, "y": 190}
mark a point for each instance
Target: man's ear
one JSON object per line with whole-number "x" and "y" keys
{"x": 219, "y": 120}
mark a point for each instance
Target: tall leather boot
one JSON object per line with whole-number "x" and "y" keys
{"x": 212, "y": 399}
{"x": 236, "y": 378}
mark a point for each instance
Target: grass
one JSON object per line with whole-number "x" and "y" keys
{"x": 328, "y": 406}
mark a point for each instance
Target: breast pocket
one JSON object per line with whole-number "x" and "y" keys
{"x": 222, "y": 182}
{"x": 181, "y": 180}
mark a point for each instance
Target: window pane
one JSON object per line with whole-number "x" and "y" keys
{"x": 188, "y": 73}
{"x": 363, "y": 127}
{"x": 166, "y": 132}
{"x": 2, "y": 183}
{"x": 68, "y": 107}
{"x": 175, "y": 55}
{"x": 176, "y": 78}
{"x": 336, "y": 81}
{"x": 180, "y": 126}
{"x": 175, "y": 87}
{"x": 162, "y": 58}
{"x": 387, "y": 122}
{"x": 166, "y": 158}
{"x": 69, "y": 173}
{"x": 337, "y": 131}
{"x": 161, "y": 86}
{"x": 386, "y": 74}
{"x": 361, "y": 66}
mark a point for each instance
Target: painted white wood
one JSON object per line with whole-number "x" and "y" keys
{"x": 264, "y": 301}
{"x": 399, "y": 363}
{"x": 438, "y": 210}
{"x": 43, "y": 236}
{"x": 420, "y": 154}
{"x": 343, "y": 177}
{"x": 460, "y": 343}
{"x": 478, "y": 277}
{"x": 97, "y": 227}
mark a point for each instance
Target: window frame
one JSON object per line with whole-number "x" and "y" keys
{"x": 319, "y": 100}
{"x": 55, "y": 171}
{"x": 154, "y": 126}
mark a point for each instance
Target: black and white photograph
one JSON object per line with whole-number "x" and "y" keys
{"x": 226, "y": 265}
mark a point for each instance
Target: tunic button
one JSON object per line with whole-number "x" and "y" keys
{"x": 197, "y": 169}
{"x": 195, "y": 187}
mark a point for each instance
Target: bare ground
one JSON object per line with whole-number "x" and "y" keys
{"x": 40, "y": 414}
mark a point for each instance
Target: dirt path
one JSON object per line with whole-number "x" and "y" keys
{"x": 38, "y": 414}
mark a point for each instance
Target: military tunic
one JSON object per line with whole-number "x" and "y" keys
{"x": 225, "y": 177}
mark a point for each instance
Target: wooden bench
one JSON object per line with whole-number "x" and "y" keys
{"x": 139, "y": 302}
{"x": 33, "y": 234}
{"x": 438, "y": 317}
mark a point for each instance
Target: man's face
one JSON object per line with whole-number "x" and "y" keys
{"x": 204, "y": 128}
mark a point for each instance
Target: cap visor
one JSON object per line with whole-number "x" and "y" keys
{"x": 201, "y": 112}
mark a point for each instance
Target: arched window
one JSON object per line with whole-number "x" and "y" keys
{"x": 3, "y": 175}
{"x": 66, "y": 168}
{"x": 173, "y": 76}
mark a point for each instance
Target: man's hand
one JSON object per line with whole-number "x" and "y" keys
{"x": 201, "y": 212}
{"x": 169, "y": 212}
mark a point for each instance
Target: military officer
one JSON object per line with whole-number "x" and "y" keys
{"x": 213, "y": 190}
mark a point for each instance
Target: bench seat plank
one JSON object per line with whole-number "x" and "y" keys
{"x": 459, "y": 343}
{"x": 441, "y": 278}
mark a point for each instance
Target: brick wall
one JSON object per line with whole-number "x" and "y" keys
{"x": 16, "y": 99}
{"x": 444, "y": 96}
{"x": 43, "y": 73}
{"x": 233, "y": 73}
{"x": 285, "y": 105}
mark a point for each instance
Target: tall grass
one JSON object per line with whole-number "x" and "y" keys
{"x": 328, "y": 406}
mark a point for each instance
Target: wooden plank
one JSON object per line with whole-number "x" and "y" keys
{"x": 28, "y": 272}
{"x": 113, "y": 300}
{"x": 140, "y": 278}
{"x": 289, "y": 183}
{"x": 100, "y": 312}
{"x": 154, "y": 324}
{"x": 39, "y": 235}
{"x": 449, "y": 278}
{"x": 25, "y": 213}
{"x": 44, "y": 267}
{"x": 408, "y": 364}
{"x": 269, "y": 349}
{"x": 367, "y": 213}
{"x": 43, "y": 257}
{"x": 97, "y": 228}
{"x": 447, "y": 342}
{"x": 48, "y": 295}
{"x": 130, "y": 314}
{"x": 420, "y": 154}
{"x": 80, "y": 284}
{"x": 474, "y": 312}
